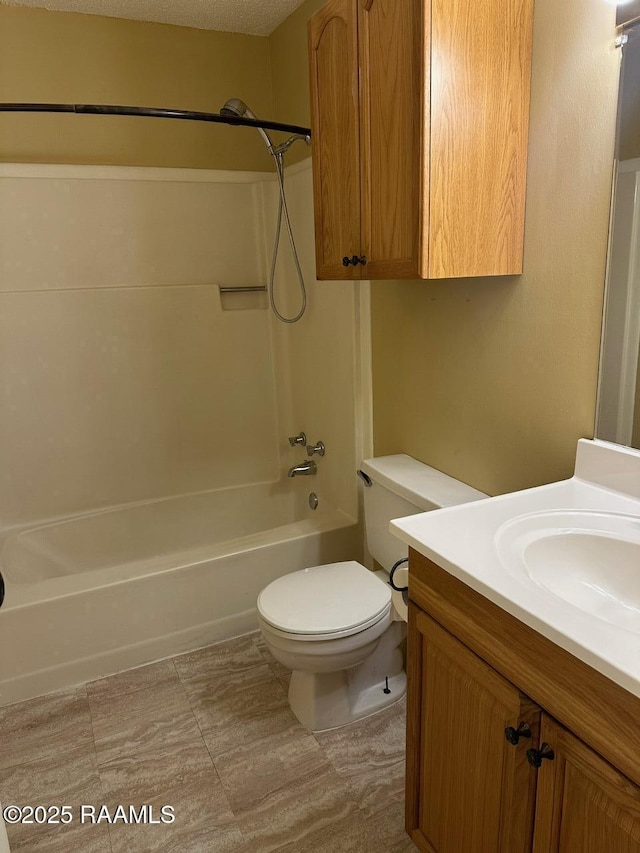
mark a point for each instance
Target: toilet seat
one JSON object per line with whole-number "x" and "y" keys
{"x": 325, "y": 602}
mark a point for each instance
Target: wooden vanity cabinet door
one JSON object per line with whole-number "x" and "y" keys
{"x": 468, "y": 789}
{"x": 333, "y": 68}
{"x": 583, "y": 804}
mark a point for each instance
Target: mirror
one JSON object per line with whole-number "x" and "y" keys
{"x": 618, "y": 416}
{"x": 627, "y": 12}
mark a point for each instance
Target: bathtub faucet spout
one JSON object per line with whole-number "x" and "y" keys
{"x": 304, "y": 468}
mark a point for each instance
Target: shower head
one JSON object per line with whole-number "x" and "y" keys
{"x": 238, "y": 108}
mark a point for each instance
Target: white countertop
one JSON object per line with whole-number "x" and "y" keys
{"x": 461, "y": 540}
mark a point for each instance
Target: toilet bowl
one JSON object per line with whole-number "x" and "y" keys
{"x": 333, "y": 627}
{"x": 338, "y": 627}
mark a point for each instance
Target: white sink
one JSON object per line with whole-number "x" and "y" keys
{"x": 589, "y": 559}
{"x": 562, "y": 558}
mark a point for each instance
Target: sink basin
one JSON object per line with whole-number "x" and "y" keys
{"x": 590, "y": 559}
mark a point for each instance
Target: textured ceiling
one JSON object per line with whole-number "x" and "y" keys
{"x": 254, "y": 17}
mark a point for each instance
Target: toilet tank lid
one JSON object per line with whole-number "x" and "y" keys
{"x": 418, "y": 483}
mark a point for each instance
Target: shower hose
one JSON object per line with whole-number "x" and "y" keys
{"x": 282, "y": 208}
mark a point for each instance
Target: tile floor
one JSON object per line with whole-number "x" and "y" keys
{"x": 211, "y": 734}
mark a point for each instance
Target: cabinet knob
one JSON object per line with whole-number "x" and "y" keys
{"x": 346, "y": 261}
{"x": 514, "y": 735}
{"x": 355, "y": 260}
{"x": 535, "y": 757}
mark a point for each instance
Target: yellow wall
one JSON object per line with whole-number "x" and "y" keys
{"x": 65, "y": 57}
{"x": 494, "y": 380}
{"x": 290, "y": 73}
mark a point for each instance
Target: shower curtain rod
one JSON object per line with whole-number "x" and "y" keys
{"x": 153, "y": 112}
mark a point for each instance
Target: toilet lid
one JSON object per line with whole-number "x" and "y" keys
{"x": 327, "y": 599}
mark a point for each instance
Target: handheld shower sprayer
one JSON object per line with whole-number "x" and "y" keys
{"x": 236, "y": 107}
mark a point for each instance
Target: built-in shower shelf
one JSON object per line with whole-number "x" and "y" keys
{"x": 243, "y": 298}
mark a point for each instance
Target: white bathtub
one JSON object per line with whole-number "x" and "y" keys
{"x": 95, "y": 594}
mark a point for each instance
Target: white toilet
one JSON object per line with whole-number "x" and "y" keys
{"x": 336, "y": 626}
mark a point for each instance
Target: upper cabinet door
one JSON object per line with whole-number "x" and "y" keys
{"x": 480, "y": 80}
{"x": 333, "y": 56}
{"x": 583, "y": 803}
{"x": 390, "y": 39}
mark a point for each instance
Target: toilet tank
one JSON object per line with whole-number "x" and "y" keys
{"x": 399, "y": 486}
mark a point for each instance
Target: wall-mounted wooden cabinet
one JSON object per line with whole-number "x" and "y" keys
{"x": 490, "y": 771}
{"x": 420, "y": 122}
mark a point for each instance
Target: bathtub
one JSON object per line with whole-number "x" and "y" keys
{"x": 98, "y": 593}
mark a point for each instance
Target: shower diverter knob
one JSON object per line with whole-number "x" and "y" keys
{"x": 318, "y": 448}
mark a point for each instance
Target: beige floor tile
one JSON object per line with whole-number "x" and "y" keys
{"x": 122, "y": 713}
{"x": 148, "y": 773}
{"x": 44, "y": 727}
{"x": 76, "y": 839}
{"x": 251, "y": 772}
{"x": 62, "y": 779}
{"x": 286, "y": 793}
{"x": 147, "y": 741}
{"x": 155, "y": 719}
{"x": 227, "y": 839}
{"x": 242, "y": 709}
{"x": 203, "y": 818}
{"x": 348, "y": 834}
{"x": 370, "y": 756}
{"x": 140, "y": 678}
{"x": 386, "y": 830}
{"x": 221, "y": 660}
{"x": 68, "y": 779}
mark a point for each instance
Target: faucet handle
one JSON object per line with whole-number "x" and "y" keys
{"x": 318, "y": 448}
{"x": 298, "y": 439}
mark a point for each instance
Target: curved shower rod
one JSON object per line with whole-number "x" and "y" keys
{"x": 153, "y": 112}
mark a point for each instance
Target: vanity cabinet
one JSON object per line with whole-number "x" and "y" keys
{"x": 419, "y": 115}
{"x": 484, "y": 691}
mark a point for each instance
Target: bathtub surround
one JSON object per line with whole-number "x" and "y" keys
{"x": 203, "y": 719}
{"x": 140, "y": 385}
{"x": 147, "y": 393}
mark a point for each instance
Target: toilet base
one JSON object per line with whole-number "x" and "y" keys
{"x": 327, "y": 700}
